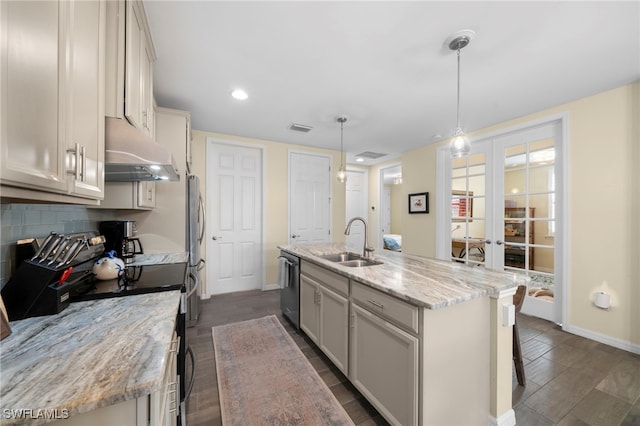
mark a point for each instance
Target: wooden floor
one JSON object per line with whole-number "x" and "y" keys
{"x": 570, "y": 380}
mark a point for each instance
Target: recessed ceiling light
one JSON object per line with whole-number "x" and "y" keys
{"x": 239, "y": 94}
{"x": 359, "y": 159}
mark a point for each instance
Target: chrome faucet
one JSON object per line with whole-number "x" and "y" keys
{"x": 366, "y": 250}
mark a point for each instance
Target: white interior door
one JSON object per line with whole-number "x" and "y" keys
{"x": 234, "y": 207}
{"x": 357, "y": 201}
{"x": 309, "y": 197}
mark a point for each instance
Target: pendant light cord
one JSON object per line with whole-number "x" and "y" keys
{"x": 458, "y": 99}
{"x": 341, "y": 144}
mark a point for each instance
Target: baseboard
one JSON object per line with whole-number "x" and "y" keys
{"x": 602, "y": 338}
{"x": 506, "y": 419}
{"x": 268, "y": 287}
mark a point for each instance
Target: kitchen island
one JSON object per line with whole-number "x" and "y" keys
{"x": 425, "y": 341}
{"x": 93, "y": 356}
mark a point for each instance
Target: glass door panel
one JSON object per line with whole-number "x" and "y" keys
{"x": 468, "y": 209}
{"x": 529, "y": 212}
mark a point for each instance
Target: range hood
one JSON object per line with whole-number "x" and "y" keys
{"x": 130, "y": 155}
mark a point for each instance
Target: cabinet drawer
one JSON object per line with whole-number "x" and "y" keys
{"x": 402, "y": 313}
{"x": 334, "y": 281}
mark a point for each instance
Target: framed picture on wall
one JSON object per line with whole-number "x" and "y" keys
{"x": 419, "y": 202}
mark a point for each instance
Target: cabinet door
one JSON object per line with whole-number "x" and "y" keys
{"x": 146, "y": 80}
{"x": 85, "y": 98}
{"x": 138, "y": 107}
{"x": 33, "y": 149}
{"x": 309, "y": 315}
{"x": 334, "y": 327}
{"x": 133, "y": 71}
{"x": 384, "y": 366}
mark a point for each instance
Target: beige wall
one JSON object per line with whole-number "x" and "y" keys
{"x": 275, "y": 197}
{"x": 603, "y": 208}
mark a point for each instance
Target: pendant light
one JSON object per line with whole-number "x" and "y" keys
{"x": 342, "y": 172}
{"x": 460, "y": 145}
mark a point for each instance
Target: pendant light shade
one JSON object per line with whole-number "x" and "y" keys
{"x": 342, "y": 172}
{"x": 460, "y": 146}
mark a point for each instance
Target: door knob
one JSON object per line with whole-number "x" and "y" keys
{"x": 214, "y": 238}
{"x": 487, "y": 241}
{"x": 295, "y": 236}
{"x": 499, "y": 242}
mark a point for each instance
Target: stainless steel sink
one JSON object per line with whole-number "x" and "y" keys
{"x": 360, "y": 263}
{"x": 341, "y": 257}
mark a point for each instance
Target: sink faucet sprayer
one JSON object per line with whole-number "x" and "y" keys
{"x": 366, "y": 249}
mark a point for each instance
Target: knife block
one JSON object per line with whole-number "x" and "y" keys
{"x": 34, "y": 291}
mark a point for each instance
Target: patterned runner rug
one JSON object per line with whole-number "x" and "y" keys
{"x": 264, "y": 378}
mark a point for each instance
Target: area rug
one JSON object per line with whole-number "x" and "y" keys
{"x": 264, "y": 378}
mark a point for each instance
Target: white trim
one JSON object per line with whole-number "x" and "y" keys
{"x": 315, "y": 154}
{"x": 625, "y": 345}
{"x": 269, "y": 287}
{"x": 263, "y": 155}
{"x": 506, "y": 419}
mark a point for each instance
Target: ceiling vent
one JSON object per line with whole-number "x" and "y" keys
{"x": 370, "y": 155}
{"x": 300, "y": 128}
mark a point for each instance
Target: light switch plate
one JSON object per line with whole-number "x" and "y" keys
{"x": 508, "y": 315}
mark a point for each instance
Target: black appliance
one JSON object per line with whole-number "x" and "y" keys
{"x": 120, "y": 237}
{"x": 143, "y": 279}
{"x": 290, "y": 287}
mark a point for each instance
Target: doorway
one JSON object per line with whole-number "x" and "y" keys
{"x": 502, "y": 208}
{"x": 392, "y": 204}
{"x": 235, "y": 212}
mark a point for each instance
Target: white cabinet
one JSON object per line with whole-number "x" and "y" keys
{"x": 129, "y": 86}
{"x": 383, "y": 366}
{"x": 85, "y": 121}
{"x": 324, "y": 312}
{"x": 140, "y": 55}
{"x": 129, "y": 195}
{"x": 52, "y": 122}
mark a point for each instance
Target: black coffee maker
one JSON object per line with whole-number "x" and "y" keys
{"x": 120, "y": 237}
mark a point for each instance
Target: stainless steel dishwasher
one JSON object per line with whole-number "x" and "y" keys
{"x": 290, "y": 287}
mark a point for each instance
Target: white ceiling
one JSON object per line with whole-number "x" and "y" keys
{"x": 385, "y": 65}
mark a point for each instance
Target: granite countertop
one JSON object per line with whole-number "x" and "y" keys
{"x": 426, "y": 282}
{"x": 92, "y": 354}
{"x": 159, "y": 258}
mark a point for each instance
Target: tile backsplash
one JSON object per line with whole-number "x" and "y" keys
{"x": 20, "y": 221}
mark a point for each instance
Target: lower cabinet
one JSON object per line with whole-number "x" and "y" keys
{"x": 414, "y": 365}
{"x": 324, "y": 317}
{"x": 157, "y": 409}
{"x": 384, "y": 367}
{"x": 164, "y": 403}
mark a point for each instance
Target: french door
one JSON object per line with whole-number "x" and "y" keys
{"x": 503, "y": 211}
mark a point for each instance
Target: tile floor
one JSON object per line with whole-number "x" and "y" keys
{"x": 570, "y": 380}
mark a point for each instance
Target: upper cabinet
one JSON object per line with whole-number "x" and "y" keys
{"x": 130, "y": 65}
{"x": 52, "y": 120}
